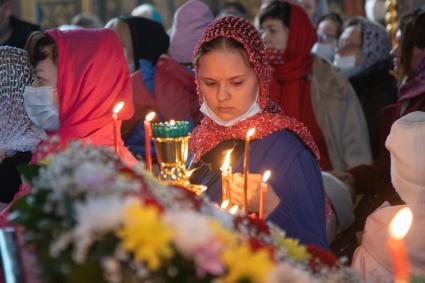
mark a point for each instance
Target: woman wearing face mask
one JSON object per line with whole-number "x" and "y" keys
{"x": 309, "y": 89}
{"x": 374, "y": 181}
{"x": 364, "y": 56}
{"x": 76, "y": 87}
{"x": 329, "y": 28}
{"x": 232, "y": 76}
{"x": 18, "y": 135}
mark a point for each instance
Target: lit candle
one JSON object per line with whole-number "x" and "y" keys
{"x": 263, "y": 189}
{"x": 148, "y": 137}
{"x": 234, "y": 209}
{"x": 117, "y": 108}
{"x": 225, "y": 204}
{"x": 225, "y": 177}
{"x": 249, "y": 134}
{"x": 399, "y": 227}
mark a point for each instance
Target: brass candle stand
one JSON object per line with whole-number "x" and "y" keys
{"x": 172, "y": 148}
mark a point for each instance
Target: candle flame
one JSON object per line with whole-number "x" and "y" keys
{"x": 234, "y": 209}
{"x": 225, "y": 204}
{"x": 190, "y": 172}
{"x": 118, "y": 107}
{"x": 172, "y": 122}
{"x": 401, "y": 223}
{"x": 266, "y": 176}
{"x": 250, "y": 132}
{"x": 226, "y": 162}
{"x": 150, "y": 116}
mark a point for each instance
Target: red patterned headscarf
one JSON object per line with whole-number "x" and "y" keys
{"x": 209, "y": 134}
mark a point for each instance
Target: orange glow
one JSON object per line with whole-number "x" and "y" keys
{"x": 226, "y": 163}
{"x": 150, "y": 116}
{"x": 225, "y": 204}
{"x": 250, "y": 133}
{"x": 400, "y": 225}
{"x": 266, "y": 176}
{"x": 118, "y": 107}
{"x": 234, "y": 209}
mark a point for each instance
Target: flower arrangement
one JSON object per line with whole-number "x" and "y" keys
{"x": 90, "y": 219}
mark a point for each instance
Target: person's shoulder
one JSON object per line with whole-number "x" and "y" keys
{"x": 285, "y": 140}
{"x": 23, "y": 25}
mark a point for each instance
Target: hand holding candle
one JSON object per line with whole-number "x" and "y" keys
{"x": 117, "y": 108}
{"x": 249, "y": 134}
{"x": 148, "y": 137}
{"x": 399, "y": 227}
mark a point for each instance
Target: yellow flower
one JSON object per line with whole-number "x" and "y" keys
{"x": 225, "y": 236}
{"x": 146, "y": 235}
{"x": 295, "y": 249}
{"x": 243, "y": 263}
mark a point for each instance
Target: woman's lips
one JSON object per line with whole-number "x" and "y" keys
{"x": 225, "y": 110}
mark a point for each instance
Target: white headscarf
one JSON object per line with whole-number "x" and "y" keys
{"x": 17, "y": 132}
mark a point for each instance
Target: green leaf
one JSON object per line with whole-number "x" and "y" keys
{"x": 29, "y": 171}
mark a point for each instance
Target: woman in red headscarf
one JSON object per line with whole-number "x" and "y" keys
{"x": 80, "y": 75}
{"x": 310, "y": 90}
{"x": 232, "y": 76}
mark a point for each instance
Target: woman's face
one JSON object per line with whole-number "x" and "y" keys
{"x": 327, "y": 32}
{"x": 227, "y": 82}
{"x": 275, "y": 34}
{"x": 350, "y": 43}
{"x": 46, "y": 71}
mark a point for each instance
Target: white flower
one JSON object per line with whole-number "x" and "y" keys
{"x": 286, "y": 273}
{"x": 112, "y": 270}
{"x": 192, "y": 230}
{"x": 96, "y": 216}
{"x": 90, "y": 175}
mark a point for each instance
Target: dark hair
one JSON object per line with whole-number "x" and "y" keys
{"x": 219, "y": 43}
{"x": 333, "y": 17}
{"x": 412, "y": 35}
{"x": 277, "y": 9}
{"x": 36, "y": 47}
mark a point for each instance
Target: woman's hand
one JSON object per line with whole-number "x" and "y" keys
{"x": 271, "y": 200}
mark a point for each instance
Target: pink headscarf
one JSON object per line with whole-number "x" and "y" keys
{"x": 92, "y": 77}
{"x": 209, "y": 134}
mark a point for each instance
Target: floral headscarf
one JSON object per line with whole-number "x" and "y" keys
{"x": 376, "y": 43}
{"x": 209, "y": 134}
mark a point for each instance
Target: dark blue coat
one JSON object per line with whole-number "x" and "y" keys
{"x": 296, "y": 179}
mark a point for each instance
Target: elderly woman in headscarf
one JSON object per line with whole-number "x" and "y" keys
{"x": 363, "y": 54}
{"x": 232, "y": 76}
{"x": 311, "y": 90}
{"x": 406, "y": 146}
{"x": 18, "y": 134}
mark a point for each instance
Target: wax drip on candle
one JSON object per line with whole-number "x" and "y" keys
{"x": 249, "y": 134}
{"x": 266, "y": 177}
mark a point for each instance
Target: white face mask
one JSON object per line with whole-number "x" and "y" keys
{"x": 326, "y": 51}
{"x": 254, "y": 109}
{"x": 41, "y": 107}
{"x": 345, "y": 63}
